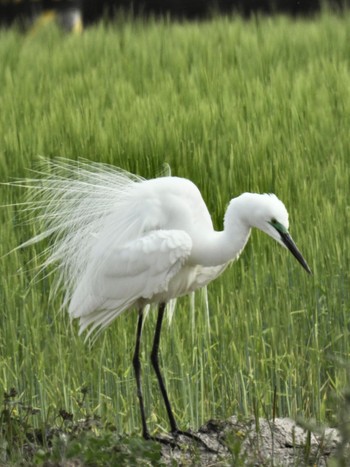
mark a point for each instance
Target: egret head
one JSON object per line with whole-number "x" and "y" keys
{"x": 270, "y": 215}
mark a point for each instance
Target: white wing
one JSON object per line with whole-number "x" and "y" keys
{"x": 138, "y": 270}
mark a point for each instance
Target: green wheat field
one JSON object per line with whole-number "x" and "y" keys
{"x": 259, "y": 105}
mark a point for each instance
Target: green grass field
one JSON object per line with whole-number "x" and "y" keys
{"x": 260, "y": 105}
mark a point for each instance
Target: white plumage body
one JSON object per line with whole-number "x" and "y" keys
{"x": 150, "y": 263}
{"x": 120, "y": 241}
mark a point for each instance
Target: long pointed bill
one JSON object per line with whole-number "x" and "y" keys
{"x": 288, "y": 241}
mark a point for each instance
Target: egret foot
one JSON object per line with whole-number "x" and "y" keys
{"x": 196, "y": 438}
{"x": 159, "y": 439}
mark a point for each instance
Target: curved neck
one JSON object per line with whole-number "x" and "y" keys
{"x": 218, "y": 248}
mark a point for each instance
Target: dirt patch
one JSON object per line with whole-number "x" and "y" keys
{"x": 267, "y": 443}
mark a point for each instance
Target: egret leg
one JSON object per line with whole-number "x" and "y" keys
{"x": 137, "y": 368}
{"x": 155, "y": 362}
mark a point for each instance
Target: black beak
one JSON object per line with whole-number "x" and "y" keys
{"x": 288, "y": 241}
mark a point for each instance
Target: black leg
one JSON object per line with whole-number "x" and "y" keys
{"x": 155, "y": 363}
{"x": 137, "y": 369}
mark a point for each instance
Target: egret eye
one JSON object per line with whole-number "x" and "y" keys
{"x": 278, "y": 226}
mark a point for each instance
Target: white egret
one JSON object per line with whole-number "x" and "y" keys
{"x": 123, "y": 242}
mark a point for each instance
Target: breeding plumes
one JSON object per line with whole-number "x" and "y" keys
{"x": 121, "y": 242}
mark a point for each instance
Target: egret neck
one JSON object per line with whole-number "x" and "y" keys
{"x": 221, "y": 247}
